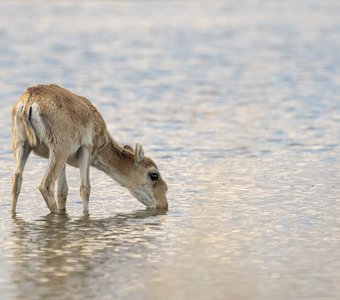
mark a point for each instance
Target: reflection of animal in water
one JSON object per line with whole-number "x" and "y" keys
{"x": 66, "y": 128}
{"x": 50, "y": 251}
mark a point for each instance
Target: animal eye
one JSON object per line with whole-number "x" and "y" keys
{"x": 153, "y": 176}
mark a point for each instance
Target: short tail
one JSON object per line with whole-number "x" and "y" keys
{"x": 26, "y": 117}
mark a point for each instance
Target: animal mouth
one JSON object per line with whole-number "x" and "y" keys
{"x": 163, "y": 206}
{"x": 145, "y": 199}
{"x": 149, "y": 201}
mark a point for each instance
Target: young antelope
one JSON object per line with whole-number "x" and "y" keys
{"x": 66, "y": 128}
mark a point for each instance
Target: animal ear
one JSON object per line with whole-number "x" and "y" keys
{"x": 128, "y": 151}
{"x": 128, "y": 148}
{"x": 139, "y": 153}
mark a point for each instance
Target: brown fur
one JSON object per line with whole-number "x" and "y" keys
{"x": 56, "y": 123}
{"x": 60, "y": 112}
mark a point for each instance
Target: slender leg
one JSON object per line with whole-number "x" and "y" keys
{"x": 58, "y": 157}
{"x": 84, "y": 168}
{"x": 62, "y": 189}
{"x": 21, "y": 153}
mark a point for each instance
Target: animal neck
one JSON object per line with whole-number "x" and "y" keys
{"x": 114, "y": 161}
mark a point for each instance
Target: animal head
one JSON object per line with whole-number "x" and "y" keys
{"x": 146, "y": 183}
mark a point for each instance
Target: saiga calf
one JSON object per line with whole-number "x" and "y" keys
{"x": 67, "y": 129}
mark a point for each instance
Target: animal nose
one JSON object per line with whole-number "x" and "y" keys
{"x": 163, "y": 205}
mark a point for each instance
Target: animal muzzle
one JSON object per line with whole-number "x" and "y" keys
{"x": 162, "y": 203}
{"x": 151, "y": 201}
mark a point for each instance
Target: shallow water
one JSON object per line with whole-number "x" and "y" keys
{"x": 238, "y": 103}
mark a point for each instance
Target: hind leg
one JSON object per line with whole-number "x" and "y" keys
{"x": 62, "y": 189}
{"x": 21, "y": 152}
{"x": 58, "y": 157}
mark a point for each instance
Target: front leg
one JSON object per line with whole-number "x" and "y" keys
{"x": 84, "y": 169}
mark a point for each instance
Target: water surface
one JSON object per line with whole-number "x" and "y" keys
{"x": 237, "y": 102}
